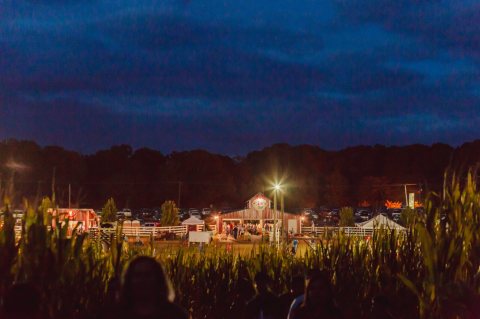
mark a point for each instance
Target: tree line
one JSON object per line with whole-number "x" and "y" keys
{"x": 312, "y": 177}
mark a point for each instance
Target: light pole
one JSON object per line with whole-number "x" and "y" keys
{"x": 276, "y": 188}
{"x": 284, "y": 232}
{"x": 275, "y": 214}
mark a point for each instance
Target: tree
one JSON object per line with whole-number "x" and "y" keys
{"x": 169, "y": 214}
{"x": 109, "y": 211}
{"x": 346, "y": 217}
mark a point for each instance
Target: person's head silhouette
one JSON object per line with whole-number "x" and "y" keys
{"x": 147, "y": 292}
{"x": 145, "y": 281}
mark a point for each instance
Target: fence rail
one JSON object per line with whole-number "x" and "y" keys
{"x": 132, "y": 231}
{"x": 351, "y": 231}
{"x": 182, "y": 230}
{"x": 149, "y": 231}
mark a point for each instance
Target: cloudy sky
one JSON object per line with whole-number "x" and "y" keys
{"x": 233, "y": 76}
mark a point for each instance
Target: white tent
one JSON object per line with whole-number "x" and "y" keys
{"x": 380, "y": 221}
{"x": 193, "y": 221}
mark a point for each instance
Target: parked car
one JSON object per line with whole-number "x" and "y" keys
{"x": 183, "y": 215}
{"x": 194, "y": 212}
{"x": 108, "y": 224}
{"x": 364, "y": 215}
{"x": 183, "y": 211}
{"x": 332, "y": 218}
{"x": 358, "y": 219}
{"x": 308, "y": 211}
{"x": 126, "y": 212}
{"x": 396, "y": 216}
{"x": 150, "y": 224}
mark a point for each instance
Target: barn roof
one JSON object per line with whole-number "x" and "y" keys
{"x": 252, "y": 214}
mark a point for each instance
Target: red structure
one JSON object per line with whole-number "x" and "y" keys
{"x": 259, "y": 211}
{"x": 86, "y": 217}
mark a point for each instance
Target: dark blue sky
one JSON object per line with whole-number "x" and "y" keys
{"x": 234, "y": 76}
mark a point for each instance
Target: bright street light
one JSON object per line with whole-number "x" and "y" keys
{"x": 276, "y": 188}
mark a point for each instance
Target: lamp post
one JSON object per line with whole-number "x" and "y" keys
{"x": 276, "y": 188}
{"x": 275, "y": 214}
{"x": 284, "y": 231}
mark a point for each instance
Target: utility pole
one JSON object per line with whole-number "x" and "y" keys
{"x": 274, "y": 217}
{"x": 53, "y": 186}
{"x": 69, "y": 195}
{"x": 179, "y": 193}
{"x": 1, "y": 190}
{"x": 283, "y": 233}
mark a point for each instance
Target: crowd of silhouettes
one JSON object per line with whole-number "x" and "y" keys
{"x": 145, "y": 292}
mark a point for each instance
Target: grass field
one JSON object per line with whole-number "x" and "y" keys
{"x": 242, "y": 248}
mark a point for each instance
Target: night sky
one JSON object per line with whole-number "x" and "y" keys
{"x": 238, "y": 75}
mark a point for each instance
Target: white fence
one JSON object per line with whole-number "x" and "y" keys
{"x": 157, "y": 232}
{"x": 350, "y": 231}
{"x": 18, "y": 231}
{"x": 148, "y": 231}
{"x": 134, "y": 231}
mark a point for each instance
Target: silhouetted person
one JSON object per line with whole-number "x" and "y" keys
{"x": 147, "y": 292}
{"x": 235, "y": 232}
{"x": 297, "y": 288}
{"x": 265, "y": 304}
{"x": 318, "y": 301}
{"x": 294, "y": 247}
{"x": 22, "y": 301}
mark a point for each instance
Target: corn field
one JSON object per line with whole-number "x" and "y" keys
{"x": 430, "y": 271}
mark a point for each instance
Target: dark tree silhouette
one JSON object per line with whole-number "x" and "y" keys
{"x": 146, "y": 177}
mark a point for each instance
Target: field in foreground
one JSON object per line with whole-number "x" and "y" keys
{"x": 432, "y": 271}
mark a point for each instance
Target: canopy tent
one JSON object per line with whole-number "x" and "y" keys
{"x": 193, "y": 221}
{"x": 380, "y": 221}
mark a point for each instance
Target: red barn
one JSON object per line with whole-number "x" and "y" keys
{"x": 259, "y": 210}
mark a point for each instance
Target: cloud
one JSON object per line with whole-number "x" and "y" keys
{"x": 444, "y": 24}
{"x": 156, "y": 55}
{"x": 175, "y": 75}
